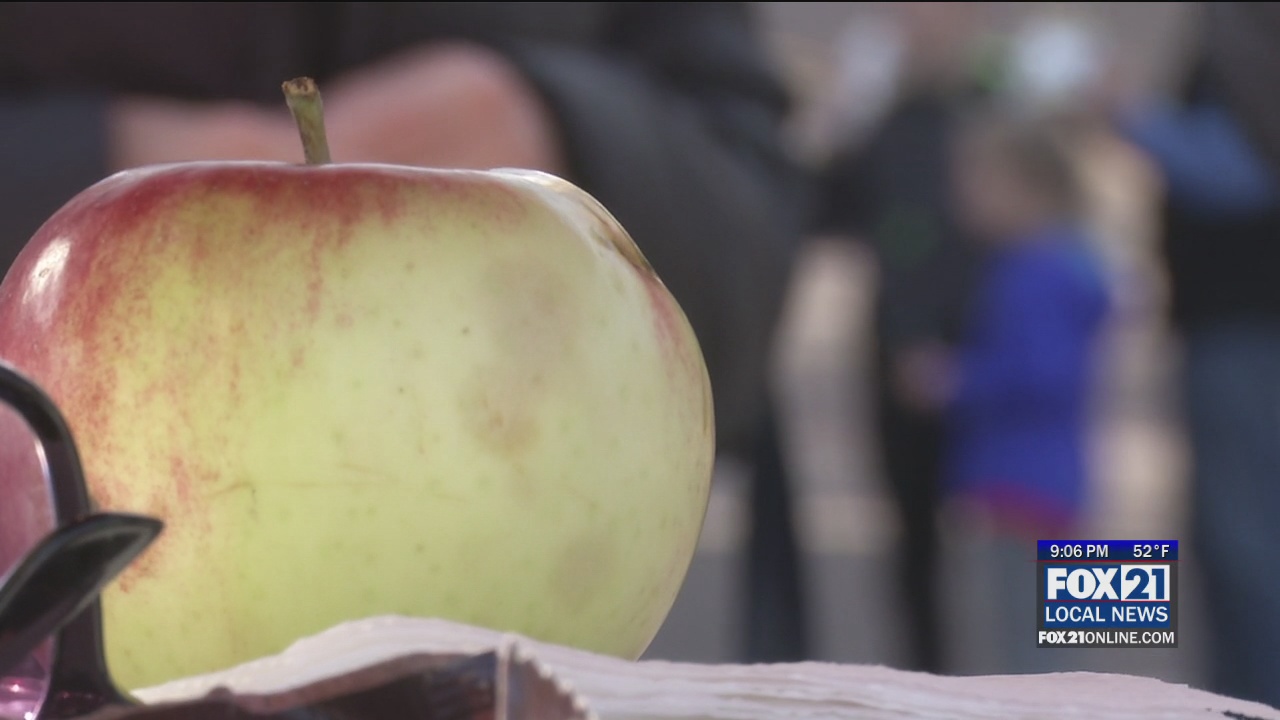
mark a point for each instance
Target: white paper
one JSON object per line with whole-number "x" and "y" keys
{"x": 621, "y": 690}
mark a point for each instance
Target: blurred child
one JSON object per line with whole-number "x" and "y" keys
{"x": 1016, "y": 391}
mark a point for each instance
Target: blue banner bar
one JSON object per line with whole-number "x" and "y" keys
{"x": 1092, "y": 551}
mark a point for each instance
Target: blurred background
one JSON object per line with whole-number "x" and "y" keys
{"x": 1034, "y": 268}
{"x": 838, "y": 58}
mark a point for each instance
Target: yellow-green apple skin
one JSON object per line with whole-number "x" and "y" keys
{"x": 352, "y": 390}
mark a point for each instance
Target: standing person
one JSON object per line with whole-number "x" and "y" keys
{"x": 1016, "y": 393}
{"x": 892, "y": 189}
{"x": 1219, "y": 152}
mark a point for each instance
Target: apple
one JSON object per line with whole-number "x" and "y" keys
{"x": 351, "y": 390}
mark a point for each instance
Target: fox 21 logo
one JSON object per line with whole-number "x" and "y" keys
{"x": 1107, "y": 593}
{"x": 1135, "y": 583}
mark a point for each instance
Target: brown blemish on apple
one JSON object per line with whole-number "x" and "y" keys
{"x": 538, "y": 319}
{"x": 499, "y": 418}
{"x": 539, "y": 316}
{"x": 607, "y": 231}
{"x": 627, "y": 248}
{"x": 602, "y": 225}
{"x": 583, "y": 569}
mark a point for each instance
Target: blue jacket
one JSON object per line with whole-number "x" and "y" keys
{"x": 1221, "y": 214}
{"x": 1017, "y": 422}
{"x": 1205, "y": 158}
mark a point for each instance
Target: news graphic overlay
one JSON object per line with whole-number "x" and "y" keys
{"x": 1107, "y": 593}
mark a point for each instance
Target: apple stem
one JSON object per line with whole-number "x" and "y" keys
{"x": 303, "y": 98}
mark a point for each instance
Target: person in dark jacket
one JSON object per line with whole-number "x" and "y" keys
{"x": 1218, "y": 149}
{"x": 892, "y": 190}
{"x": 668, "y": 113}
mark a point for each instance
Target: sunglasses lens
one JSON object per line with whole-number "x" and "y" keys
{"x": 22, "y": 690}
{"x": 26, "y": 516}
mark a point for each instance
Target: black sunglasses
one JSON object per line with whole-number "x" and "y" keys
{"x": 52, "y": 660}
